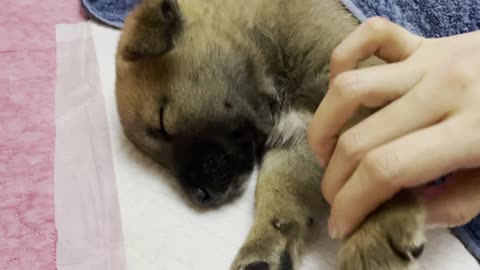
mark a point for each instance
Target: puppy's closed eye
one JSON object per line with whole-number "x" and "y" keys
{"x": 159, "y": 132}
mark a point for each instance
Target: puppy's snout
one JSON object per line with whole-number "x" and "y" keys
{"x": 210, "y": 172}
{"x": 213, "y": 161}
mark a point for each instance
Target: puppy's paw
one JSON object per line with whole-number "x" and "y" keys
{"x": 263, "y": 255}
{"x": 255, "y": 261}
{"x": 392, "y": 239}
{"x": 272, "y": 246}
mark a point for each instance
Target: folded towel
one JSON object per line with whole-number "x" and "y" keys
{"x": 429, "y": 18}
{"x": 469, "y": 235}
{"x": 110, "y": 12}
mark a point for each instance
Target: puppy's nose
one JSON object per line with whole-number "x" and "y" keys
{"x": 201, "y": 196}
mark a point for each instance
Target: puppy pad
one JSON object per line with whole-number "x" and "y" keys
{"x": 87, "y": 213}
{"x": 162, "y": 230}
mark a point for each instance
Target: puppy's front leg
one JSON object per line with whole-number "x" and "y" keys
{"x": 288, "y": 200}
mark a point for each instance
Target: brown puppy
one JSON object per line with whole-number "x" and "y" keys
{"x": 207, "y": 88}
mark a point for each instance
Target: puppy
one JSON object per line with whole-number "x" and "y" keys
{"x": 209, "y": 88}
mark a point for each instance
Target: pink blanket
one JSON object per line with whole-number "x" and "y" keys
{"x": 27, "y": 132}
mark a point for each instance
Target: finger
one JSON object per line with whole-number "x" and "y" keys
{"x": 456, "y": 202}
{"x": 407, "y": 114}
{"x": 369, "y": 87}
{"x": 375, "y": 36}
{"x": 407, "y": 162}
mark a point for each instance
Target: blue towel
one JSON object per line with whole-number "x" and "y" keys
{"x": 110, "y": 12}
{"x": 470, "y": 236}
{"x": 429, "y": 18}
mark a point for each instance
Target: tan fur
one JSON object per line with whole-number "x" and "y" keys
{"x": 255, "y": 71}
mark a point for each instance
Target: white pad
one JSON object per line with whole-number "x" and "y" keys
{"x": 161, "y": 231}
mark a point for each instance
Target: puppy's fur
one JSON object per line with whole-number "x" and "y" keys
{"x": 209, "y": 87}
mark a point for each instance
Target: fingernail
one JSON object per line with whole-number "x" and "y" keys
{"x": 332, "y": 229}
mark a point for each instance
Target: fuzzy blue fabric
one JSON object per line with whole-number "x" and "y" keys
{"x": 110, "y": 12}
{"x": 429, "y": 18}
{"x": 470, "y": 236}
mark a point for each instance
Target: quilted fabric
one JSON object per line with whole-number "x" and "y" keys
{"x": 27, "y": 134}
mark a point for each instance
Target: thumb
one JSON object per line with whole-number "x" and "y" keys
{"x": 456, "y": 202}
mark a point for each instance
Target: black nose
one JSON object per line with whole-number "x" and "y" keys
{"x": 201, "y": 196}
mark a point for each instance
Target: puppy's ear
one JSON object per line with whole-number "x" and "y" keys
{"x": 150, "y": 29}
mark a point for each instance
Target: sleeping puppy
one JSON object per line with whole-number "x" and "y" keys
{"x": 210, "y": 88}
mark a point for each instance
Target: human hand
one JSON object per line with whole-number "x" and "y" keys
{"x": 430, "y": 127}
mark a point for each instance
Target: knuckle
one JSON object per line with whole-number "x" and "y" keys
{"x": 376, "y": 24}
{"x": 461, "y": 73}
{"x": 452, "y": 132}
{"x": 382, "y": 167}
{"x": 346, "y": 85}
{"x": 338, "y": 56}
{"x": 423, "y": 97}
{"x": 351, "y": 146}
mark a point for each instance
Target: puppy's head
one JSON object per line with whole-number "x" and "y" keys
{"x": 192, "y": 95}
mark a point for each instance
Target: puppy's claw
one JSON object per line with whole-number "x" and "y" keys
{"x": 406, "y": 253}
{"x": 258, "y": 266}
{"x": 251, "y": 261}
{"x": 417, "y": 251}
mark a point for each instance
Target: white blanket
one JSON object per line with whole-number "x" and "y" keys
{"x": 162, "y": 232}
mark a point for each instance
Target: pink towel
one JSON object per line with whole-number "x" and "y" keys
{"x": 27, "y": 132}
